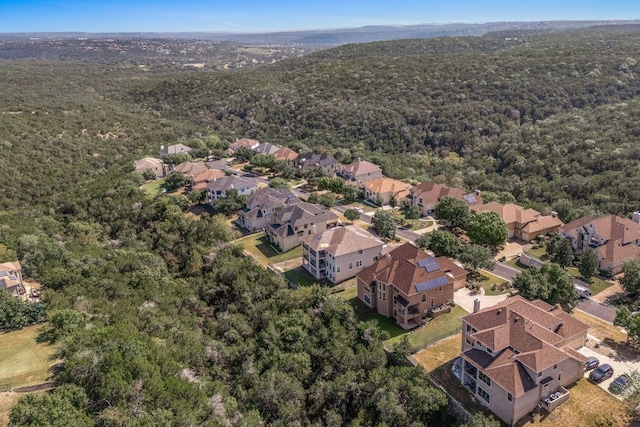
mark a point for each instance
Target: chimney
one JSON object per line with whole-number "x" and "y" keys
{"x": 476, "y": 305}
{"x": 554, "y": 214}
{"x": 636, "y": 217}
{"x": 477, "y": 192}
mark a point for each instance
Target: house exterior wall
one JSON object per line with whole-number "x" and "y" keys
{"x": 322, "y": 264}
{"x": 286, "y": 243}
{"x": 368, "y": 176}
{"x": 385, "y": 197}
{"x": 531, "y": 236}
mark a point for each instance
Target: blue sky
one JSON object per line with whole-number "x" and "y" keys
{"x": 276, "y": 15}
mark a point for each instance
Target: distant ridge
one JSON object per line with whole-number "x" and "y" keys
{"x": 339, "y": 36}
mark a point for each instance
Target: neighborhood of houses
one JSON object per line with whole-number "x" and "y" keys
{"x": 516, "y": 356}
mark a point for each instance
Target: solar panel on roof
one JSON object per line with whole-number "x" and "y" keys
{"x": 429, "y": 264}
{"x": 469, "y": 198}
{"x": 433, "y": 283}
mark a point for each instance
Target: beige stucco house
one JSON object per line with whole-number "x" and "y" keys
{"x": 218, "y": 189}
{"x": 156, "y": 166}
{"x": 360, "y": 171}
{"x": 384, "y": 189}
{"x": 519, "y": 354}
{"x": 340, "y": 253}
{"x": 291, "y": 223}
{"x": 408, "y": 284}
{"x": 525, "y": 224}
{"x": 262, "y": 206}
{"x": 614, "y": 239}
{"x": 11, "y": 278}
{"x": 427, "y": 194}
{"x": 173, "y": 149}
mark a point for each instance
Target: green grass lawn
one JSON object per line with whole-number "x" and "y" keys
{"x": 153, "y": 188}
{"x": 302, "y": 277}
{"x": 487, "y": 280}
{"x": 596, "y": 286}
{"x": 23, "y": 360}
{"x": 538, "y": 252}
{"x": 364, "y": 313}
{"x": 258, "y": 246}
{"x": 436, "y": 329}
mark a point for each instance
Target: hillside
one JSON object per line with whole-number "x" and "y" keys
{"x": 525, "y": 112}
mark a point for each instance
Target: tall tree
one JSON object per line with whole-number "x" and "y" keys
{"x": 454, "y": 211}
{"x": 630, "y": 280}
{"x": 486, "y": 228}
{"x": 588, "y": 265}
{"x": 477, "y": 256}
{"x": 550, "y": 283}
{"x": 384, "y": 224}
{"x": 442, "y": 243}
{"x": 351, "y": 215}
{"x": 563, "y": 253}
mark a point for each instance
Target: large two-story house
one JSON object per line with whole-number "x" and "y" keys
{"x": 262, "y": 205}
{"x": 291, "y": 223}
{"x": 11, "y": 278}
{"x": 218, "y": 189}
{"x": 518, "y": 354}
{"x": 614, "y": 239}
{"x": 340, "y": 253}
{"x": 360, "y": 171}
{"x": 173, "y": 149}
{"x": 426, "y": 195}
{"x": 250, "y": 144}
{"x": 525, "y": 224}
{"x": 383, "y": 190}
{"x": 324, "y": 161}
{"x": 408, "y": 284}
{"x": 154, "y": 165}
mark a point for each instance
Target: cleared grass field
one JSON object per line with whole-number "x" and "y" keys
{"x": 258, "y": 246}
{"x": 23, "y": 360}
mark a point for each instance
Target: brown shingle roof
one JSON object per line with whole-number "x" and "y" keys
{"x": 400, "y": 268}
{"x": 362, "y": 167}
{"x": 504, "y": 369}
{"x": 384, "y": 185}
{"x": 286, "y": 154}
{"x": 190, "y": 169}
{"x": 340, "y": 241}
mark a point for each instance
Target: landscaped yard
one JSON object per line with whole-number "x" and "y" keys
{"x": 154, "y": 187}
{"x": 302, "y": 277}
{"x": 438, "y": 328}
{"x": 258, "y": 246}
{"x": 601, "y": 329}
{"x": 23, "y": 361}
{"x": 364, "y": 313}
{"x": 537, "y": 252}
{"x": 440, "y": 353}
{"x": 597, "y": 285}
{"x": 488, "y": 280}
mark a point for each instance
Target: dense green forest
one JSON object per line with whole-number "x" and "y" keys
{"x": 160, "y": 321}
{"x": 548, "y": 117}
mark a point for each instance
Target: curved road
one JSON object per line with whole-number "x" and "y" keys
{"x": 594, "y": 308}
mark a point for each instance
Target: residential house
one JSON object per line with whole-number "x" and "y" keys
{"x": 384, "y": 189}
{"x": 322, "y": 160}
{"x": 200, "y": 180}
{"x": 11, "y": 278}
{"x": 266, "y": 148}
{"x": 173, "y": 149}
{"x": 426, "y": 196}
{"x": 152, "y": 164}
{"x": 290, "y": 224}
{"x": 525, "y": 224}
{"x": 190, "y": 169}
{"x": 614, "y": 239}
{"x": 218, "y": 189}
{"x": 518, "y": 354}
{"x": 408, "y": 284}
{"x": 262, "y": 205}
{"x": 340, "y": 253}
{"x": 360, "y": 171}
{"x": 242, "y": 142}
{"x": 286, "y": 155}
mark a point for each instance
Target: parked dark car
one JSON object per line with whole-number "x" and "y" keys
{"x": 620, "y": 384}
{"x": 601, "y": 373}
{"x": 592, "y": 363}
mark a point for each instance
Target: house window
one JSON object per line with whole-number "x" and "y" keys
{"x": 424, "y": 299}
{"x": 555, "y": 366}
{"x": 432, "y": 303}
{"x": 483, "y": 394}
{"x": 359, "y": 263}
{"x": 300, "y": 233}
{"x": 395, "y": 312}
{"x": 360, "y": 252}
{"x": 485, "y": 379}
{"x": 305, "y": 226}
{"x": 440, "y": 288}
{"x": 539, "y": 374}
{"x": 468, "y": 327}
{"x": 338, "y": 269}
{"x": 559, "y": 376}
{"x": 350, "y": 265}
{"x": 375, "y": 258}
{"x": 509, "y": 397}
{"x": 367, "y": 299}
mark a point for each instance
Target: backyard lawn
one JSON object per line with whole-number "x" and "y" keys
{"x": 258, "y": 246}
{"x": 23, "y": 360}
{"x": 437, "y": 329}
{"x": 153, "y": 188}
{"x": 597, "y": 285}
{"x": 364, "y": 313}
{"x": 302, "y": 277}
{"x": 440, "y": 353}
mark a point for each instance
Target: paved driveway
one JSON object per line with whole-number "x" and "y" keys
{"x": 465, "y": 297}
{"x": 619, "y": 366}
